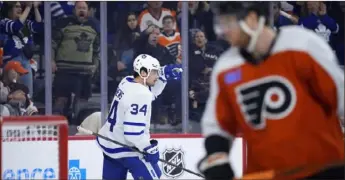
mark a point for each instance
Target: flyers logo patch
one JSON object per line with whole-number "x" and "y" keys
{"x": 272, "y": 97}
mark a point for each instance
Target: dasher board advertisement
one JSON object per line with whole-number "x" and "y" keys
{"x": 39, "y": 160}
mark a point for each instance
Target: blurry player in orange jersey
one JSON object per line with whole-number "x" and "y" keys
{"x": 282, "y": 90}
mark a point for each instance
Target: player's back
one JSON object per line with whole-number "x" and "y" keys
{"x": 284, "y": 106}
{"x": 114, "y": 127}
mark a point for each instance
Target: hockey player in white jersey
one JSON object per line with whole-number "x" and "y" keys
{"x": 129, "y": 121}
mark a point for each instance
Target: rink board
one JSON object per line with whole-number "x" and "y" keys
{"x": 85, "y": 157}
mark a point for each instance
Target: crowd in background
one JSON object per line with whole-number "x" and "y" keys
{"x": 134, "y": 28}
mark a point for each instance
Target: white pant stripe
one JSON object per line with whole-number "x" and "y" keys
{"x": 150, "y": 169}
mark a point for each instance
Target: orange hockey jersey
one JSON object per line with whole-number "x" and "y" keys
{"x": 145, "y": 19}
{"x": 288, "y": 108}
{"x": 170, "y": 42}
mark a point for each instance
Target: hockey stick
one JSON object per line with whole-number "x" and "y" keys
{"x": 86, "y": 131}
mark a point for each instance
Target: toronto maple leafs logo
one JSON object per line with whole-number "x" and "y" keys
{"x": 323, "y": 31}
{"x": 18, "y": 43}
{"x": 83, "y": 42}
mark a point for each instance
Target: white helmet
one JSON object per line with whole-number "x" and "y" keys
{"x": 145, "y": 61}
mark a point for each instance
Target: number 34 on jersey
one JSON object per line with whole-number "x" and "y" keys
{"x": 135, "y": 108}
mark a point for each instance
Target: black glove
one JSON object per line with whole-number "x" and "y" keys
{"x": 216, "y": 167}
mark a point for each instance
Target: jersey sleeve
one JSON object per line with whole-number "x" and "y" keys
{"x": 217, "y": 119}
{"x": 136, "y": 120}
{"x": 158, "y": 88}
{"x": 141, "y": 21}
{"x": 325, "y": 76}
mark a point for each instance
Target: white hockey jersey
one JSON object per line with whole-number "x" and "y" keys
{"x": 129, "y": 118}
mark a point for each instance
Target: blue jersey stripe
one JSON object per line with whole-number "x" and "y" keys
{"x": 134, "y": 124}
{"x": 114, "y": 150}
{"x": 133, "y": 133}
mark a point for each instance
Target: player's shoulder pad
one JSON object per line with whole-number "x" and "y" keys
{"x": 229, "y": 59}
{"x": 296, "y": 38}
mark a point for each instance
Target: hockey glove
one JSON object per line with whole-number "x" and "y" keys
{"x": 171, "y": 72}
{"x": 216, "y": 167}
{"x": 152, "y": 152}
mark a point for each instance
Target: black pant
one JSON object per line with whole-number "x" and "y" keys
{"x": 65, "y": 84}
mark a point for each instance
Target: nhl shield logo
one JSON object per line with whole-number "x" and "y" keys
{"x": 174, "y": 156}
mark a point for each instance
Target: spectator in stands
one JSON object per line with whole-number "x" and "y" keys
{"x": 61, "y": 9}
{"x": 282, "y": 19}
{"x": 15, "y": 96}
{"x": 75, "y": 57}
{"x": 93, "y": 10}
{"x": 4, "y": 92}
{"x": 154, "y": 15}
{"x": 318, "y": 20}
{"x": 170, "y": 39}
{"x": 125, "y": 38}
{"x": 12, "y": 72}
{"x": 286, "y": 7}
{"x": 18, "y": 35}
{"x": 200, "y": 17}
{"x": 202, "y": 57}
{"x": 10, "y": 76}
{"x": 121, "y": 55}
{"x": 147, "y": 43}
{"x": 209, "y": 52}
